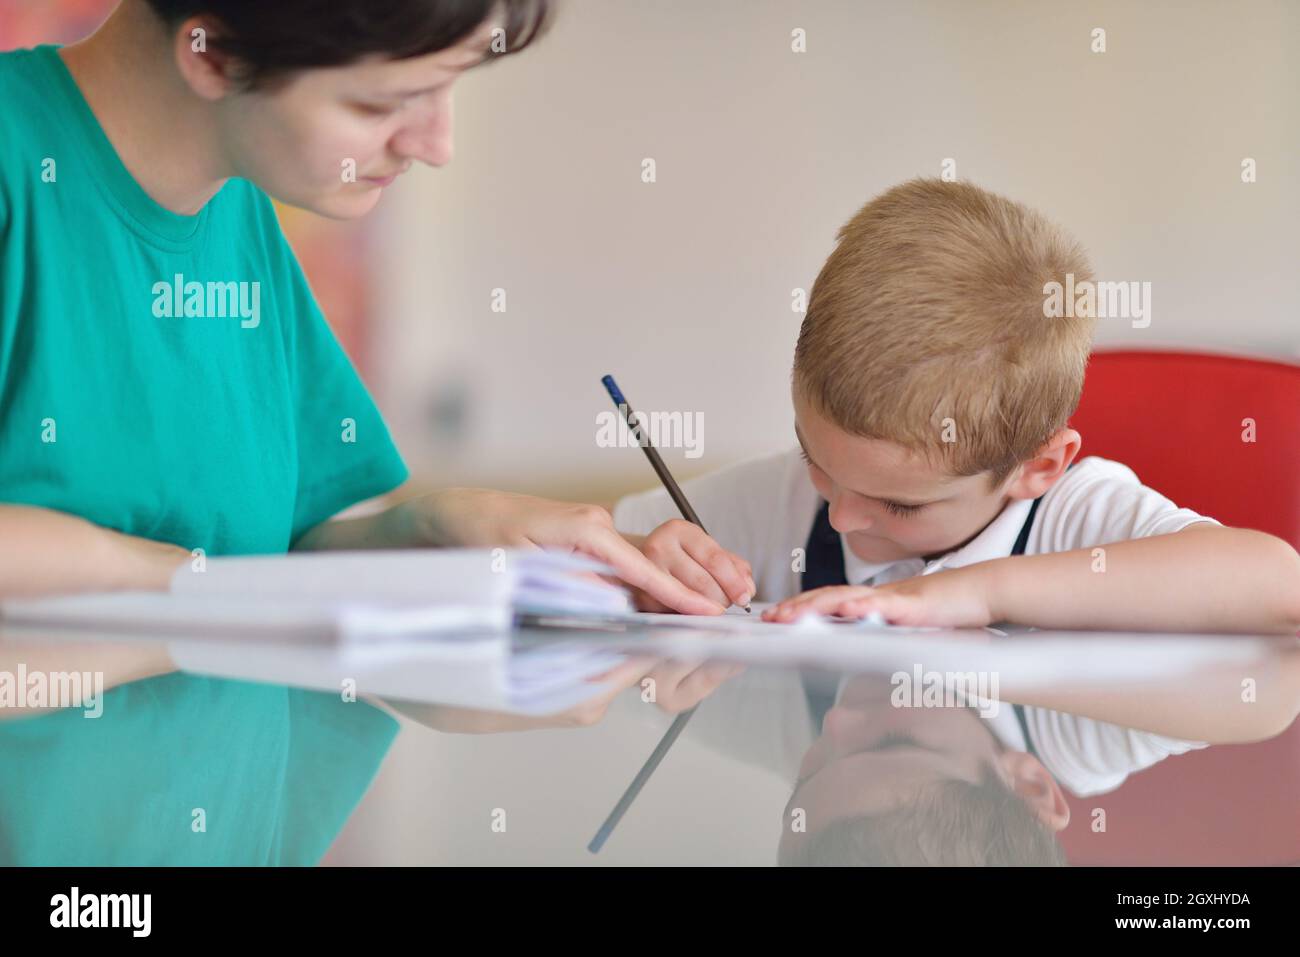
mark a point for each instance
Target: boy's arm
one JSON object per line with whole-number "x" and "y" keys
{"x": 1204, "y": 578}
{"x": 1205, "y": 706}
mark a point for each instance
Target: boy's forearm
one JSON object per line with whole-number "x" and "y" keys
{"x": 1205, "y": 704}
{"x": 1204, "y": 578}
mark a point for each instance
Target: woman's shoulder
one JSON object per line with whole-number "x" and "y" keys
{"x": 247, "y": 206}
{"x": 20, "y": 72}
{"x": 26, "y": 117}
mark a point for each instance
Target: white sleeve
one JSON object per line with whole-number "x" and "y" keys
{"x": 1099, "y": 502}
{"x": 723, "y": 500}
{"x": 1093, "y": 757}
{"x": 760, "y": 510}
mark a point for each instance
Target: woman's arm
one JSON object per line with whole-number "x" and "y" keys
{"x": 46, "y": 552}
{"x": 118, "y": 663}
{"x": 481, "y": 518}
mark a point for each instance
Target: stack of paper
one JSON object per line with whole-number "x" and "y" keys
{"x": 420, "y": 625}
{"x": 332, "y": 597}
{"x": 482, "y": 671}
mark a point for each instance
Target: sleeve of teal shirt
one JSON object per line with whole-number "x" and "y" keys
{"x": 345, "y": 455}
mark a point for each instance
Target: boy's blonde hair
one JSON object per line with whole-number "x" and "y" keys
{"x": 926, "y": 328}
{"x": 950, "y": 824}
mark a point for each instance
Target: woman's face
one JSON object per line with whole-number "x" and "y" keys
{"x": 330, "y": 139}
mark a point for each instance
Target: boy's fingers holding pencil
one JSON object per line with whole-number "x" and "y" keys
{"x": 639, "y": 572}
{"x": 685, "y": 551}
{"x": 729, "y": 571}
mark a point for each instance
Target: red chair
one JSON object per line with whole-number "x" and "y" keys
{"x": 1176, "y": 419}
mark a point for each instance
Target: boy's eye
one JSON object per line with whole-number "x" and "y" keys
{"x": 894, "y": 508}
{"x": 378, "y": 109}
{"x": 807, "y": 461}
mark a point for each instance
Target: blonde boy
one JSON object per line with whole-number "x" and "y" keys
{"x": 933, "y": 484}
{"x": 931, "y": 399}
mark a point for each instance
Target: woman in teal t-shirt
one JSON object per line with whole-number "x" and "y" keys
{"x": 139, "y": 420}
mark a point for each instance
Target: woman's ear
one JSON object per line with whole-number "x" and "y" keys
{"x": 1047, "y": 466}
{"x": 204, "y": 67}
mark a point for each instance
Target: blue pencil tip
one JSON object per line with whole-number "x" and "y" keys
{"x": 614, "y": 391}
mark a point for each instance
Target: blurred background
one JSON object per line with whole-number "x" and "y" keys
{"x": 683, "y": 288}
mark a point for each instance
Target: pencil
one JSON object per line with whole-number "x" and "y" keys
{"x": 680, "y": 721}
{"x": 656, "y": 462}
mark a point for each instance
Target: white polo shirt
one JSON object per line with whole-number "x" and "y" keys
{"x": 763, "y": 510}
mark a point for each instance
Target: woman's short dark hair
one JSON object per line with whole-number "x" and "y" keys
{"x": 269, "y": 40}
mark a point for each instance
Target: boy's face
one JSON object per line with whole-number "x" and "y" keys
{"x": 889, "y": 503}
{"x": 873, "y": 757}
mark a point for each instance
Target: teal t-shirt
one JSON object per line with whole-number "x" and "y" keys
{"x": 170, "y": 377}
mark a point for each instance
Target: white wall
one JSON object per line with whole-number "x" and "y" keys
{"x": 682, "y": 288}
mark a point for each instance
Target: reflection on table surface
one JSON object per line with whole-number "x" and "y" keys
{"x": 1035, "y": 748}
{"x": 943, "y": 748}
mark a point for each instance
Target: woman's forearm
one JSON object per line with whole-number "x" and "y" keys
{"x": 92, "y": 666}
{"x": 44, "y": 552}
{"x": 397, "y": 526}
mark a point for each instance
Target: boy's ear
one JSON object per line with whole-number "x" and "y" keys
{"x": 1047, "y": 466}
{"x": 1037, "y": 788}
{"x": 205, "y": 68}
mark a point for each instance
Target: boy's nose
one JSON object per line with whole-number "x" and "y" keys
{"x": 848, "y": 516}
{"x": 839, "y": 723}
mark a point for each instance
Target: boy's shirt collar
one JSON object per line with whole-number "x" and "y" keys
{"x": 995, "y": 541}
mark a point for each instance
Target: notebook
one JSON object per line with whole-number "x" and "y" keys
{"x": 334, "y": 597}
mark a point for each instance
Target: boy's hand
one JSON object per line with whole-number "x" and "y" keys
{"x": 955, "y": 598}
{"x": 689, "y": 555}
